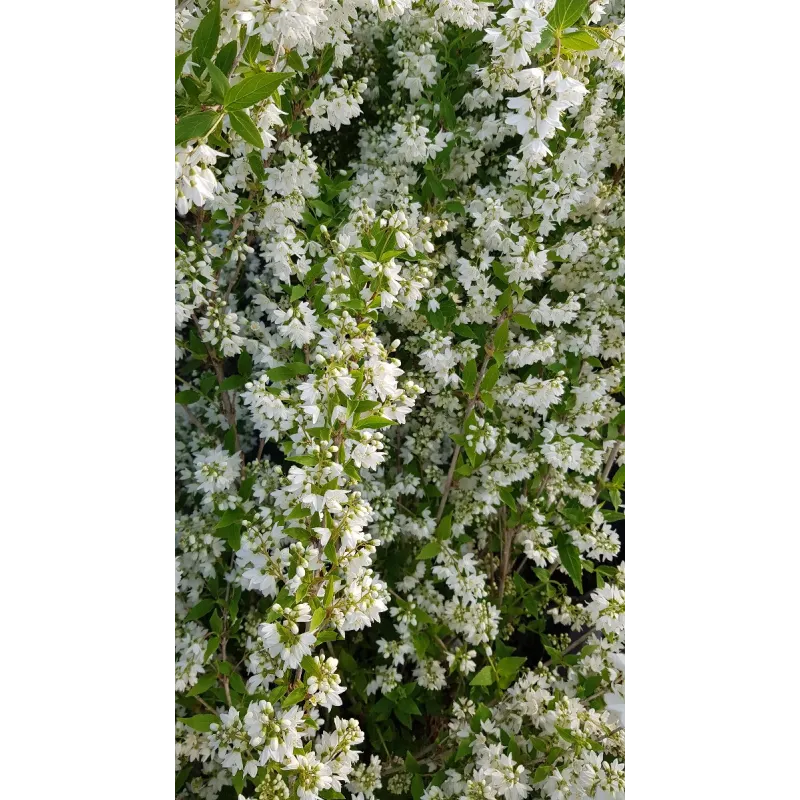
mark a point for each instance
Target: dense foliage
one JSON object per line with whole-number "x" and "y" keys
{"x": 399, "y": 328}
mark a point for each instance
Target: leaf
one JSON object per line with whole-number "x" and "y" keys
{"x": 317, "y": 618}
{"x": 542, "y": 773}
{"x": 417, "y": 787}
{"x": 484, "y": 678}
{"x": 470, "y": 376}
{"x": 374, "y": 422}
{"x": 566, "y": 734}
{"x": 508, "y": 498}
{"x": 431, "y": 550}
{"x": 200, "y": 610}
{"x": 244, "y": 126}
{"x": 570, "y": 559}
{"x": 490, "y": 378}
{"x": 253, "y": 89}
{"x": 510, "y": 665}
{"x": 219, "y": 81}
{"x": 245, "y": 363}
{"x": 200, "y": 722}
{"x": 294, "y": 697}
{"x": 565, "y": 12}
{"x": 226, "y": 57}
{"x": 579, "y": 40}
{"x": 288, "y": 371}
{"x": 188, "y": 396}
{"x": 180, "y": 60}
{"x": 501, "y": 337}
{"x": 204, "y": 41}
{"x": 195, "y": 126}
{"x": 238, "y": 684}
{"x": 412, "y": 765}
{"x": 205, "y": 682}
{"x": 436, "y": 186}
{"x": 294, "y": 61}
{"x": 233, "y": 382}
{"x": 444, "y": 528}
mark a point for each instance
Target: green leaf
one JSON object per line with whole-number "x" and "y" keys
{"x": 233, "y": 382}
{"x": 579, "y": 40}
{"x": 244, "y": 126}
{"x": 219, "y": 81}
{"x": 431, "y": 550}
{"x": 565, "y": 12}
{"x": 205, "y": 682}
{"x": 490, "y": 378}
{"x": 211, "y": 647}
{"x": 542, "y": 773}
{"x": 195, "y": 126}
{"x": 374, "y": 422}
{"x": 484, "y": 678}
{"x": 444, "y": 528}
{"x": 412, "y": 765}
{"x": 288, "y": 371}
{"x": 226, "y": 57}
{"x": 509, "y": 666}
{"x": 294, "y": 697}
{"x": 238, "y": 684}
{"x": 508, "y": 498}
{"x": 200, "y": 722}
{"x": 253, "y": 89}
{"x": 317, "y": 618}
{"x": 188, "y": 396}
{"x": 501, "y": 337}
{"x": 200, "y": 610}
{"x": 566, "y": 734}
{"x": 294, "y": 60}
{"x": 417, "y": 787}
{"x": 180, "y": 60}
{"x": 215, "y": 622}
{"x": 570, "y": 559}
{"x": 204, "y": 41}
{"x": 245, "y": 363}
{"x": 470, "y": 376}
{"x": 436, "y": 186}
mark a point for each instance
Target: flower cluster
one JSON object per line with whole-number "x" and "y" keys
{"x": 399, "y": 331}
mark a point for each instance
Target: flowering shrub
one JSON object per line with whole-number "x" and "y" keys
{"x": 399, "y": 329}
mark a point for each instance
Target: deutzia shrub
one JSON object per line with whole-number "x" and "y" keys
{"x": 399, "y": 360}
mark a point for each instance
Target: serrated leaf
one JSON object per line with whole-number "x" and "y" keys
{"x": 288, "y": 371}
{"x": 253, "y": 89}
{"x": 219, "y": 81}
{"x": 199, "y": 610}
{"x": 226, "y": 57}
{"x": 510, "y": 665}
{"x": 570, "y": 559}
{"x": 470, "y": 376}
{"x": 294, "y": 697}
{"x": 317, "y": 618}
{"x": 579, "y": 40}
{"x": 484, "y": 678}
{"x": 244, "y": 126}
{"x": 430, "y": 550}
{"x": 204, "y": 41}
{"x": 200, "y": 722}
{"x": 205, "y": 682}
{"x": 187, "y": 396}
{"x": 565, "y": 12}
{"x": 195, "y": 126}
{"x": 374, "y": 422}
